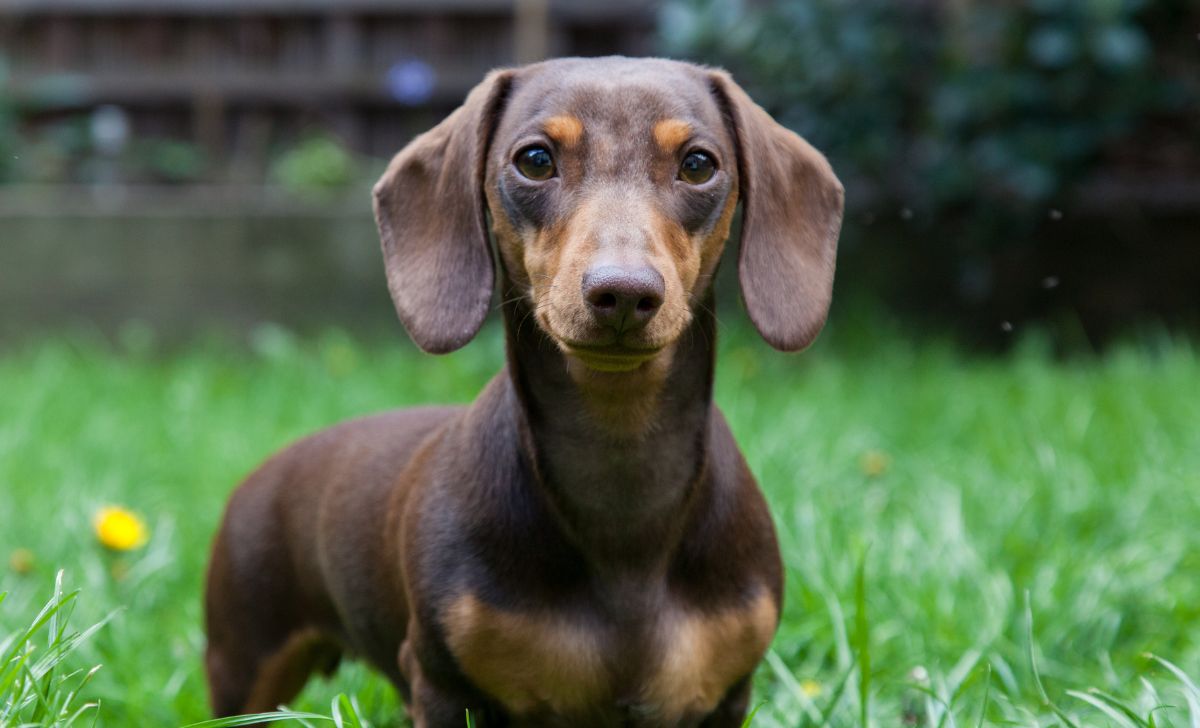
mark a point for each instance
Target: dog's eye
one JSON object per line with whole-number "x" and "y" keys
{"x": 697, "y": 168}
{"x": 535, "y": 163}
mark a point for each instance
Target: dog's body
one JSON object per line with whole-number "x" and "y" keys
{"x": 584, "y": 544}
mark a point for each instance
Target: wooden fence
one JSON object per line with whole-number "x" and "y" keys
{"x": 233, "y": 75}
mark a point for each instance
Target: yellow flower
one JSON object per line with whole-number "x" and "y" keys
{"x": 810, "y": 688}
{"x": 874, "y": 463}
{"x": 119, "y": 529}
{"x": 21, "y": 561}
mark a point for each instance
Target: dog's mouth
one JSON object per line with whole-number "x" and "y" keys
{"x": 611, "y": 358}
{"x": 603, "y": 349}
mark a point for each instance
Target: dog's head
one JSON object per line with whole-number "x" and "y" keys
{"x": 610, "y": 185}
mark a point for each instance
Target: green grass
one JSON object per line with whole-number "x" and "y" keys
{"x": 969, "y": 541}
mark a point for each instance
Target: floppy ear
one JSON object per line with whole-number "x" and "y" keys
{"x": 791, "y": 216}
{"x": 430, "y": 209}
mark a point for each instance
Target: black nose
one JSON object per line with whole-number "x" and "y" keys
{"x": 624, "y": 298}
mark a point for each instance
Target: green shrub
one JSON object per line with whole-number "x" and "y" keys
{"x": 976, "y": 111}
{"x": 8, "y": 129}
{"x": 317, "y": 164}
{"x": 170, "y": 160}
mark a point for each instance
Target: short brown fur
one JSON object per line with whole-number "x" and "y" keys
{"x": 286, "y": 670}
{"x": 583, "y": 545}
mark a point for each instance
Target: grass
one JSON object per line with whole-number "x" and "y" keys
{"x": 969, "y": 541}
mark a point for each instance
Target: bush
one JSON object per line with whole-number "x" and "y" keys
{"x": 962, "y": 130}
{"x": 318, "y": 164}
{"x": 169, "y": 160}
{"x": 942, "y": 108}
{"x": 8, "y": 129}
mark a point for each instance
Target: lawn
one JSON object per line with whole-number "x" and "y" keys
{"x": 970, "y": 540}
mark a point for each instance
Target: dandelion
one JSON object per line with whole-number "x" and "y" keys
{"x": 874, "y": 463}
{"x": 810, "y": 688}
{"x": 21, "y": 561}
{"x": 120, "y": 529}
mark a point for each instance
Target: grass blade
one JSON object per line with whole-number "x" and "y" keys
{"x": 987, "y": 696}
{"x": 1101, "y": 705}
{"x": 1191, "y": 693}
{"x": 1033, "y": 666}
{"x": 750, "y": 717}
{"x": 836, "y": 696}
{"x": 785, "y": 676}
{"x": 240, "y": 720}
{"x": 862, "y": 643}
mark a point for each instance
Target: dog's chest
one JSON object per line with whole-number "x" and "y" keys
{"x": 559, "y": 664}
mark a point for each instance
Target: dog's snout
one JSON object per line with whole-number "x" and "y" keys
{"x": 623, "y": 298}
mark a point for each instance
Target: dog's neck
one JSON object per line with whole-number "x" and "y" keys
{"x": 618, "y": 455}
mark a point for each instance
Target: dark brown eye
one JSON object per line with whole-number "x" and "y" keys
{"x": 697, "y": 168}
{"x": 535, "y": 163}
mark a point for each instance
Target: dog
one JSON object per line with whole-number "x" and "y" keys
{"x": 584, "y": 544}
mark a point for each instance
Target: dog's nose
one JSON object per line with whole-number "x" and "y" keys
{"x": 623, "y": 298}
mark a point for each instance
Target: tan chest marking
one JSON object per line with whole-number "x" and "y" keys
{"x": 703, "y": 655}
{"x": 526, "y": 661}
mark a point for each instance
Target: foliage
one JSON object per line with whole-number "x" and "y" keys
{"x": 980, "y": 111}
{"x": 63, "y": 150}
{"x": 36, "y": 686}
{"x": 9, "y": 138}
{"x": 314, "y": 165}
{"x": 169, "y": 160}
{"x": 999, "y": 539}
{"x": 37, "y": 689}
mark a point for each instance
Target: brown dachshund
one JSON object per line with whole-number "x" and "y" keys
{"x": 583, "y": 545}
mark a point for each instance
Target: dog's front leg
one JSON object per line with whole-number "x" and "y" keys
{"x": 442, "y": 704}
{"x": 731, "y": 711}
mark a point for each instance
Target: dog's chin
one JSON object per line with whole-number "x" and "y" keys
{"x": 611, "y": 360}
{"x": 622, "y": 355}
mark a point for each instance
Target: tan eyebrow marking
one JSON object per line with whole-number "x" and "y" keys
{"x": 671, "y": 133}
{"x": 566, "y": 130}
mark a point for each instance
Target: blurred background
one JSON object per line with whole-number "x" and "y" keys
{"x": 180, "y": 165}
{"x": 989, "y": 462}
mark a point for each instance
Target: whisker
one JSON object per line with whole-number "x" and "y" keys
{"x": 711, "y": 311}
{"x": 521, "y": 323}
{"x": 514, "y": 299}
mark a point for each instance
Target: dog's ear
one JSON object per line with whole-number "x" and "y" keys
{"x": 430, "y": 209}
{"x": 791, "y": 216}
